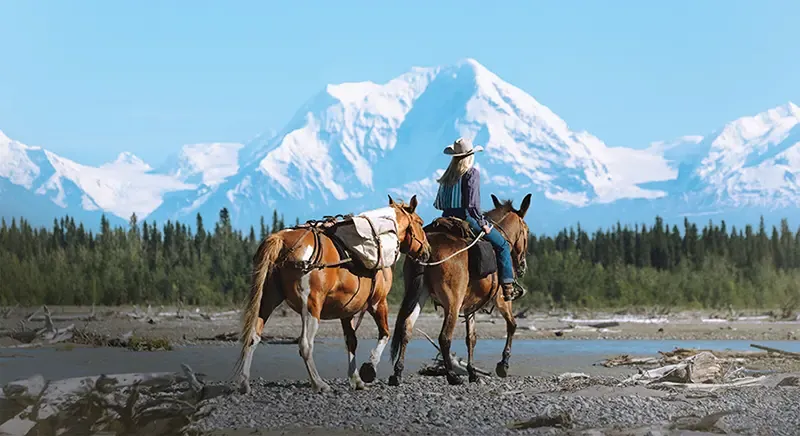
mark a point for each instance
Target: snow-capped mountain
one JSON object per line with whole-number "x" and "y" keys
{"x": 32, "y": 178}
{"x": 204, "y": 164}
{"x": 353, "y": 143}
{"x": 753, "y": 161}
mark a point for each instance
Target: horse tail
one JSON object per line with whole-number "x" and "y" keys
{"x": 263, "y": 263}
{"x": 413, "y": 278}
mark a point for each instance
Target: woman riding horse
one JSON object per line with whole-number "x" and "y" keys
{"x": 460, "y": 196}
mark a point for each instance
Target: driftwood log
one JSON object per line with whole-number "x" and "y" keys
{"x": 777, "y": 351}
{"x": 129, "y": 404}
{"x": 437, "y": 369}
{"x": 50, "y": 334}
{"x": 266, "y": 339}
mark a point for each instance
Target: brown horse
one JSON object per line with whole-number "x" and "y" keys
{"x": 303, "y": 267}
{"x": 447, "y": 280}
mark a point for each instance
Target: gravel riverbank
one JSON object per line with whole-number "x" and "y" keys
{"x": 198, "y": 325}
{"x": 283, "y": 403}
{"x": 427, "y": 405}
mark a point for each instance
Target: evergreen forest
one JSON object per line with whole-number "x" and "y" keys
{"x": 654, "y": 264}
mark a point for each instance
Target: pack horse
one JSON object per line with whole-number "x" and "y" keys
{"x": 331, "y": 269}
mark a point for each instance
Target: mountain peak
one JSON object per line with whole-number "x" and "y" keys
{"x": 791, "y": 108}
{"x": 768, "y": 126}
{"x": 129, "y": 160}
{"x": 206, "y": 163}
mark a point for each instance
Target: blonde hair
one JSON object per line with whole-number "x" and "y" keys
{"x": 459, "y": 165}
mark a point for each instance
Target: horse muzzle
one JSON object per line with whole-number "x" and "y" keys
{"x": 425, "y": 253}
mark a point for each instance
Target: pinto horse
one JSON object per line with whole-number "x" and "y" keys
{"x": 447, "y": 280}
{"x": 303, "y": 267}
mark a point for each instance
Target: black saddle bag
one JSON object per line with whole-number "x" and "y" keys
{"x": 482, "y": 259}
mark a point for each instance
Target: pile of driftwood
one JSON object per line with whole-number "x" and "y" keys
{"x": 599, "y": 327}
{"x": 129, "y": 404}
{"x": 49, "y": 334}
{"x": 265, "y": 339}
{"x": 704, "y": 370}
{"x": 437, "y": 369}
{"x": 151, "y": 317}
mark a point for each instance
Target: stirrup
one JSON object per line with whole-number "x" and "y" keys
{"x": 517, "y": 292}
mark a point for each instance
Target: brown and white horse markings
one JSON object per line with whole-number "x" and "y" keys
{"x": 333, "y": 292}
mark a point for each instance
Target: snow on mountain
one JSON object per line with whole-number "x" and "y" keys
{"x": 121, "y": 188}
{"x": 205, "y": 164}
{"x": 353, "y": 143}
{"x": 15, "y": 164}
{"x": 127, "y": 161}
{"x": 751, "y": 162}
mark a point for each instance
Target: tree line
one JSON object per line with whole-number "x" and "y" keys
{"x": 712, "y": 267}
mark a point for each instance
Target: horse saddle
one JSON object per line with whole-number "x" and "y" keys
{"x": 329, "y": 226}
{"x": 482, "y": 257}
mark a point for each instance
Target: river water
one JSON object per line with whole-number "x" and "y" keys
{"x": 276, "y": 362}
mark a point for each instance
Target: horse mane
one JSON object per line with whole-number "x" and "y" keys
{"x": 497, "y": 213}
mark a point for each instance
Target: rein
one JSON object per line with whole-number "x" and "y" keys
{"x": 438, "y": 262}
{"x": 475, "y": 241}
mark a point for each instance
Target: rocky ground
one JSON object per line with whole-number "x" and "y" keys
{"x": 583, "y": 404}
{"x": 527, "y": 405}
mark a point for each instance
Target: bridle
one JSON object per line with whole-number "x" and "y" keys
{"x": 520, "y": 265}
{"x": 410, "y": 233}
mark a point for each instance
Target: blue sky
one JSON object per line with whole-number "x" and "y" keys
{"x": 89, "y": 79}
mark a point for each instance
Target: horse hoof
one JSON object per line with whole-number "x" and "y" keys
{"x": 357, "y": 384}
{"x": 322, "y": 388}
{"x": 394, "y": 380}
{"x": 501, "y": 369}
{"x": 367, "y": 372}
{"x": 244, "y": 388}
{"x": 473, "y": 378}
{"x": 454, "y": 379}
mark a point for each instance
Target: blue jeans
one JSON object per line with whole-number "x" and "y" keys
{"x": 502, "y": 249}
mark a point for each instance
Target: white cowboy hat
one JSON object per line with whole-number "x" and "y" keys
{"x": 462, "y": 147}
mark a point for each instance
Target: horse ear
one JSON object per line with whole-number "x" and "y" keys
{"x": 496, "y": 202}
{"x": 391, "y": 202}
{"x": 412, "y": 205}
{"x": 523, "y": 208}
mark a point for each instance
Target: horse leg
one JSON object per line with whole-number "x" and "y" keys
{"x": 270, "y": 301}
{"x": 369, "y": 370}
{"x": 511, "y": 326}
{"x": 310, "y": 315}
{"x": 470, "y": 339}
{"x": 408, "y": 328}
{"x": 351, "y": 341}
{"x": 445, "y": 339}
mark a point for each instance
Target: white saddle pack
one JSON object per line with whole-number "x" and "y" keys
{"x": 372, "y": 237}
